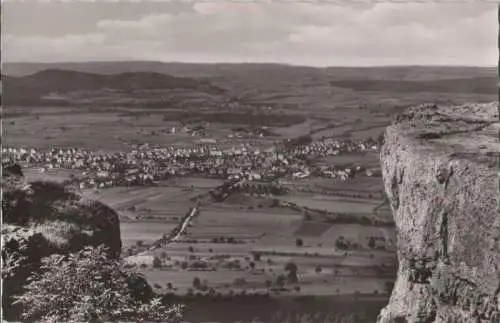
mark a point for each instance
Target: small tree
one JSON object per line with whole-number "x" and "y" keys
{"x": 204, "y": 285}
{"x": 252, "y": 264}
{"x": 196, "y": 283}
{"x": 318, "y": 269}
{"x": 291, "y": 269}
{"x": 341, "y": 244}
{"x": 87, "y": 286}
{"x": 299, "y": 242}
{"x": 157, "y": 263}
{"x": 371, "y": 242}
{"x": 256, "y": 256}
{"x": 280, "y": 281}
{"x": 163, "y": 255}
{"x": 191, "y": 249}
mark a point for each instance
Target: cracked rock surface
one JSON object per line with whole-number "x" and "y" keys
{"x": 441, "y": 173}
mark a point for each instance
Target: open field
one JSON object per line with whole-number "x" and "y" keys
{"x": 225, "y": 237}
{"x": 149, "y": 212}
{"x": 331, "y": 203}
{"x": 56, "y": 175}
{"x": 223, "y": 222}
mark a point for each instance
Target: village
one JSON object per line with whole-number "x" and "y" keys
{"x": 147, "y": 165}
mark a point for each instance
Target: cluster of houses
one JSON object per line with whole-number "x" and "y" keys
{"x": 146, "y": 165}
{"x": 331, "y": 147}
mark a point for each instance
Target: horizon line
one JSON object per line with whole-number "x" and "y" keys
{"x": 250, "y": 63}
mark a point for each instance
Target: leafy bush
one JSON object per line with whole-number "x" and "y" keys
{"x": 196, "y": 283}
{"x": 87, "y": 286}
{"x": 157, "y": 263}
{"x": 256, "y": 256}
{"x": 371, "y": 243}
{"x": 341, "y": 244}
{"x": 280, "y": 281}
{"x": 291, "y": 269}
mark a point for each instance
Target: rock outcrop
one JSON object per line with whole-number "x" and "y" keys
{"x": 43, "y": 218}
{"x": 441, "y": 173}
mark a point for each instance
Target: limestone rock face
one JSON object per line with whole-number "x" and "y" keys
{"x": 441, "y": 173}
{"x": 43, "y": 218}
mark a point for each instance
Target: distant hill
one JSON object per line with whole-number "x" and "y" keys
{"x": 416, "y": 73}
{"x": 157, "y": 84}
{"x": 33, "y": 89}
{"x": 476, "y": 85}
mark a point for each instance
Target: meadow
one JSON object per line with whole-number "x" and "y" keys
{"x": 245, "y": 243}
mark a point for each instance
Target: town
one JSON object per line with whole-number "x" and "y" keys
{"x": 147, "y": 165}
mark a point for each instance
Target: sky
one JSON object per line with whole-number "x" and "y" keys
{"x": 299, "y": 32}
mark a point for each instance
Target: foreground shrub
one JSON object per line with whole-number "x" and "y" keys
{"x": 87, "y": 286}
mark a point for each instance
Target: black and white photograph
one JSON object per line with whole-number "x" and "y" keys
{"x": 250, "y": 161}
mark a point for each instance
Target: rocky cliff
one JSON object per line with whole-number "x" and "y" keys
{"x": 44, "y": 218}
{"x": 440, "y": 167}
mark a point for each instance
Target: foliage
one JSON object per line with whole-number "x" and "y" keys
{"x": 196, "y": 282}
{"x": 299, "y": 242}
{"x": 157, "y": 263}
{"x": 291, "y": 269}
{"x": 341, "y": 244}
{"x": 256, "y": 256}
{"x": 87, "y": 286}
{"x": 371, "y": 243}
{"x": 280, "y": 281}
